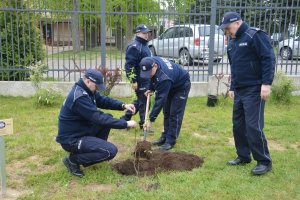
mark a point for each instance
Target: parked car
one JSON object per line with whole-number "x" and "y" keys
{"x": 289, "y": 48}
{"x": 188, "y": 42}
{"x": 276, "y": 38}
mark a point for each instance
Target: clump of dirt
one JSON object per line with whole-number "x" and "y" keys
{"x": 149, "y": 162}
{"x": 143, "y": 149}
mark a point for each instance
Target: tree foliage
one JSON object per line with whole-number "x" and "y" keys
{"x": 21, "y": 42}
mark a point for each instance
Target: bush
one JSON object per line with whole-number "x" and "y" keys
{"x": 48, "y": 97}
{"x": 37, "y": 72}
{"x": 21, "y": 43}
{"x": 111, "y": 78}
{"x": 282, "y": 89}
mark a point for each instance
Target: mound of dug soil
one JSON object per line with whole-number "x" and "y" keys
{"x": 148, "y": 162}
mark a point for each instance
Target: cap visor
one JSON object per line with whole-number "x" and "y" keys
{"x": 146, "y": 74}
{"x": 223, "y": 26}
{"x": 101, "y": 87}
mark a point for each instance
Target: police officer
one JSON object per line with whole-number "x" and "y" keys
{"x": 135, "y": 52}
{"x": 252, "y": 62}
{"x": 83, "y": 129}
{"x": 171, "y": 84}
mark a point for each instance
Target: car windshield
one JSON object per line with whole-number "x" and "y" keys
{"x": 205, "y": 31}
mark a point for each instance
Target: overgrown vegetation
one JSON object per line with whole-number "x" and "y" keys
{"x": 48, "y": 97}
{"x": 282, "y": 89}
{"x": 21, "y": 43}
{"x": 44, "y": 96}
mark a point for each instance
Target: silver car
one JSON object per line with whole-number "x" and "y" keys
{"x": 289, "y": 48}
{"x": 188, "y": 42}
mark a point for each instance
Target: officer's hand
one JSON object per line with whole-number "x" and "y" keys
{"x": 130, "y": 107}
{"x": 231, "y": 94}
{"x": 265, "y": 91}
{"x": 134, "y": 86}
{"x": 147, "y": 126}
{"x": 131, "y": 124}
{"x": 149, "y": 92}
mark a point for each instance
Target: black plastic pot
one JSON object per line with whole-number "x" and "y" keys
{"x": 212, "y": 100}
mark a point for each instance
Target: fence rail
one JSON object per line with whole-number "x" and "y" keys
{"x": 64, "y": 38}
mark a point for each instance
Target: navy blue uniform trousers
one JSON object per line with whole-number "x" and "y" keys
{"x": 174, "y": 112}
{"x": 93, "y": 149}
{"x": 248, "y": 124}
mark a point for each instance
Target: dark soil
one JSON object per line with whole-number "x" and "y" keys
{"x": 149, "y": 162}
{"x": 143, "y": 150}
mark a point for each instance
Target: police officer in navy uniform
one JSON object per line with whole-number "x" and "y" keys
{"x": 252, "y": 62}
{"x": 135, "y": 52}
{"x": 83, "y": 129}
{"x": 171, "y": 84}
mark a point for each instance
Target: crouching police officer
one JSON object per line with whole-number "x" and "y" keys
{"x": 135, "y": 52}
{"x": 83, "y": 129}
{"x": 252, "y": 62}
{"x": 171, "y": 84}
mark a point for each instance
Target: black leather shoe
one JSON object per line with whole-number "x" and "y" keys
{"x": 238, "y": 161}
{"x": 159, "y": 142}
{"x": 166, "y": 146}
{"x": 73, "y": 168}
{"x": 260, "y": 169}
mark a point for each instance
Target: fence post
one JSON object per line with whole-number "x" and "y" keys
{"x": 2, "y": 167}
{"x": 212, "y": 36}
{"x": 103, "y": 34}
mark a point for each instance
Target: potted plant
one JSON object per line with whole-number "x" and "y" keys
{"x": 212, "y": 100}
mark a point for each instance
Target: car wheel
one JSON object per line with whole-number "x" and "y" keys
{"x": 152, "y": 49}
{"x": 286, "y": 53}
{"x": 185, "y": 57}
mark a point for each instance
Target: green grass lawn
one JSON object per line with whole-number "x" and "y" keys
{"x": 35, "y": 169}
{"x": 89, "y": 54}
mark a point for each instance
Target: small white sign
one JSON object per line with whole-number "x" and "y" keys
{"x": 6, "y": 127}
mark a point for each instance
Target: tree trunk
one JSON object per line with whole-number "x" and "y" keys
{"x": 119, "y": 35}
{"x": 75, "y": 26}
{"x": 129, "y": 30}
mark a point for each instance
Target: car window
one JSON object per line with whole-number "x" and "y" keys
{"x": 205, "y": 31}
{"x": 169, "y": 33}
{"x": 185, "y": 32}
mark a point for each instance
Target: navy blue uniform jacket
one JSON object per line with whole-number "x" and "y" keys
{"x": 251, "y": 58}
{"x": 79, "y": 113}
{"x": 135, "y": 52}
{"x": 169, "y": 77}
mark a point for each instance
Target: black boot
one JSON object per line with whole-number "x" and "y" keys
{"x": 159, "y": 142}
{"x": 166, "y": 146}
{"x": 73, "y": 168}
{"x": 261, "y": 169}
{"x": 238, "y": 161}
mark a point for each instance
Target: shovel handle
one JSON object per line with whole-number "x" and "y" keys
{"x": 146, "y": 115}
{"x": 147, "y": 107}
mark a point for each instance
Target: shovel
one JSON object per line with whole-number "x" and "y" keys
{"x": 146, "y": 116}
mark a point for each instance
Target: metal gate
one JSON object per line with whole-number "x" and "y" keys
{"x": 64, "y": 38}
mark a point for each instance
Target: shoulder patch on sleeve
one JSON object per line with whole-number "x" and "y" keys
{"x": 135, "y": 45}
{"x": 161, "y": 76}
{"x": 79, "y": 92}
{"x": 252, "y": 31}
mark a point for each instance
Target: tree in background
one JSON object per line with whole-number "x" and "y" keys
{"x": 276, "y": 18}
{"x": 89, "y": 18}
{"x": 21, "y": 41}
{"x": 124, "y": 24}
